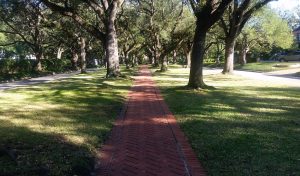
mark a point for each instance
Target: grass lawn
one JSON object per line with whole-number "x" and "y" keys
{"x": 244, "y": 127}
{"x": 56, "y": 128}
{"x": 268, "y": 66}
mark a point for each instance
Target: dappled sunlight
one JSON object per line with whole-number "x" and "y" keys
{"x": 268, "y": 110}
{"x": 244, "y": 124}
{"x": 73, "y": 115}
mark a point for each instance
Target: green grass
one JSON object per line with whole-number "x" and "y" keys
{"x": 268, "y": 66}
{"x": 244, "y": 127}
{"x": 58, "y": 127}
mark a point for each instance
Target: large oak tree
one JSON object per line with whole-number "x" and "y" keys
{"x": 207, "y": 14}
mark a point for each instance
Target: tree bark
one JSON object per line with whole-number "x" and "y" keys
{"x": 151, "y": 60}
{"x": 164, "y": 63}
{"x": 38, "y": 65}
{"x": 126, "y": 58}
{"x": 198, "y": 51}
{"x": 155, "y": 58}
{"x": 82, "y": 55}
{"x": 74, "y": 60}
{"x": 39, "y": 55}
{"x": 111, "y": 46}
{"x": 188, "y": 58}
{"x": 60, "y": 51}
{"x": 243, "y": 56}
{"x": 174, "y": 57}
{"x": 229, "y": 55}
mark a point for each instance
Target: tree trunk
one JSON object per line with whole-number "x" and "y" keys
{"x": 198, "y": 51}
{"x": 156, "y": 58}
{"x": 111, "y": 46}
{"x": 188, "y": 58}
{"x": 126, "y": 57}
{"x": 133, "y": 61}
{"x": 174, "y": 57}
{"x": 164, "y": 63}
{"x": 243, "y": 56}
{"x": 229, "y": 55}
{"x": 38, "y": 65}
{"x": 60, "y": 51}
{"x": 218, "y": 59}
{"x": 74, "y": 60}
{"x": 151, "y": 60}
{"x": 82, "y": 55}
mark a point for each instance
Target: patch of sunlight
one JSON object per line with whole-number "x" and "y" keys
{"x": 83, "y": 77}
{"x": 69, "y": 132}
{"x": 110, "y": 82}
{"x": 172, "y": 79}
{"x": 6, "y": 97}
{"x": 69, "y": 93}
{"x": 221, "y": 106}
{"x": 75, "y": 139}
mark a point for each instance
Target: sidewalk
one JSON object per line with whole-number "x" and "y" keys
{"x": 146, "y": 140}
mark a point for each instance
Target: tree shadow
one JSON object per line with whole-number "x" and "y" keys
{"x": 36, "y": 154}
{"x": 235, "y": 133}
{"x": 57, "y": 128}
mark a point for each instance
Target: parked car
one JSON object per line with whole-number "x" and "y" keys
{"x": 277, "y": 56}
{"x": 291, "y": 56}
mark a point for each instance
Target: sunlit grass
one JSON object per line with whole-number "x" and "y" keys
{"x": 58, "y": 127}
{"x": 268, "y": 66}
{"x": 244, "y": 127}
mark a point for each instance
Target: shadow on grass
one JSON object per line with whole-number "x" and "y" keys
{"x": 56, "y": 128}
{"x": 245, "y": 131}
{"x": 26, "y": 152}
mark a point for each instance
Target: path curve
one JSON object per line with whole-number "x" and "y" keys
{"x": 146, "y": 140}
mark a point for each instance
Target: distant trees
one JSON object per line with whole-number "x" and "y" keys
{"x": 129, "y": 32}
{"x": 161, "y": 20}
{"x": 264, "y": 32}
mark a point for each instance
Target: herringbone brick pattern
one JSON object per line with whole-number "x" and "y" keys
{"x": 146, "y": 140}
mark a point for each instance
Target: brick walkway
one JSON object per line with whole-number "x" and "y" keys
{"x": 146, "y": 139}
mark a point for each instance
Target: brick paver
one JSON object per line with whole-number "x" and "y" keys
{"x": 146, "y": 140}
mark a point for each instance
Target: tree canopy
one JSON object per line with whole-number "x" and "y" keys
{"x": 74, "y": 34}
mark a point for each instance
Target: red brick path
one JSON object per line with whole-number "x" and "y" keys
{"x": 146, "y": 140}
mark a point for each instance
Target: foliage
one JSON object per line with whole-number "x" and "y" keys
{"x": 271, "y": 28}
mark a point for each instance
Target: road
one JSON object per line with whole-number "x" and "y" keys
{"x": 274, "y": 77}
{"x": 43, "y": 79}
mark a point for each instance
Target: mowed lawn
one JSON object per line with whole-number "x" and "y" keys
{"x": 268, "y": 66}
{"x": 243, "y": 127}
{"x": 57, "y": 128}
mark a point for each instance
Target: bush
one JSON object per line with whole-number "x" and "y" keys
{"x": 7, "y": 66}
{"x": 56, "y": 65}
{"x": 24, "y": 66}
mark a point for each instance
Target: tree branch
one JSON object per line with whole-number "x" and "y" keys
{"x": 69, "y": 12}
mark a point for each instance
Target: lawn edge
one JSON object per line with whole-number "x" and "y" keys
{"x": 192, "y": 163}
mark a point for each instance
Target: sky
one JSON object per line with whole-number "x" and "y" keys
{"x": 285, "y": 4}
